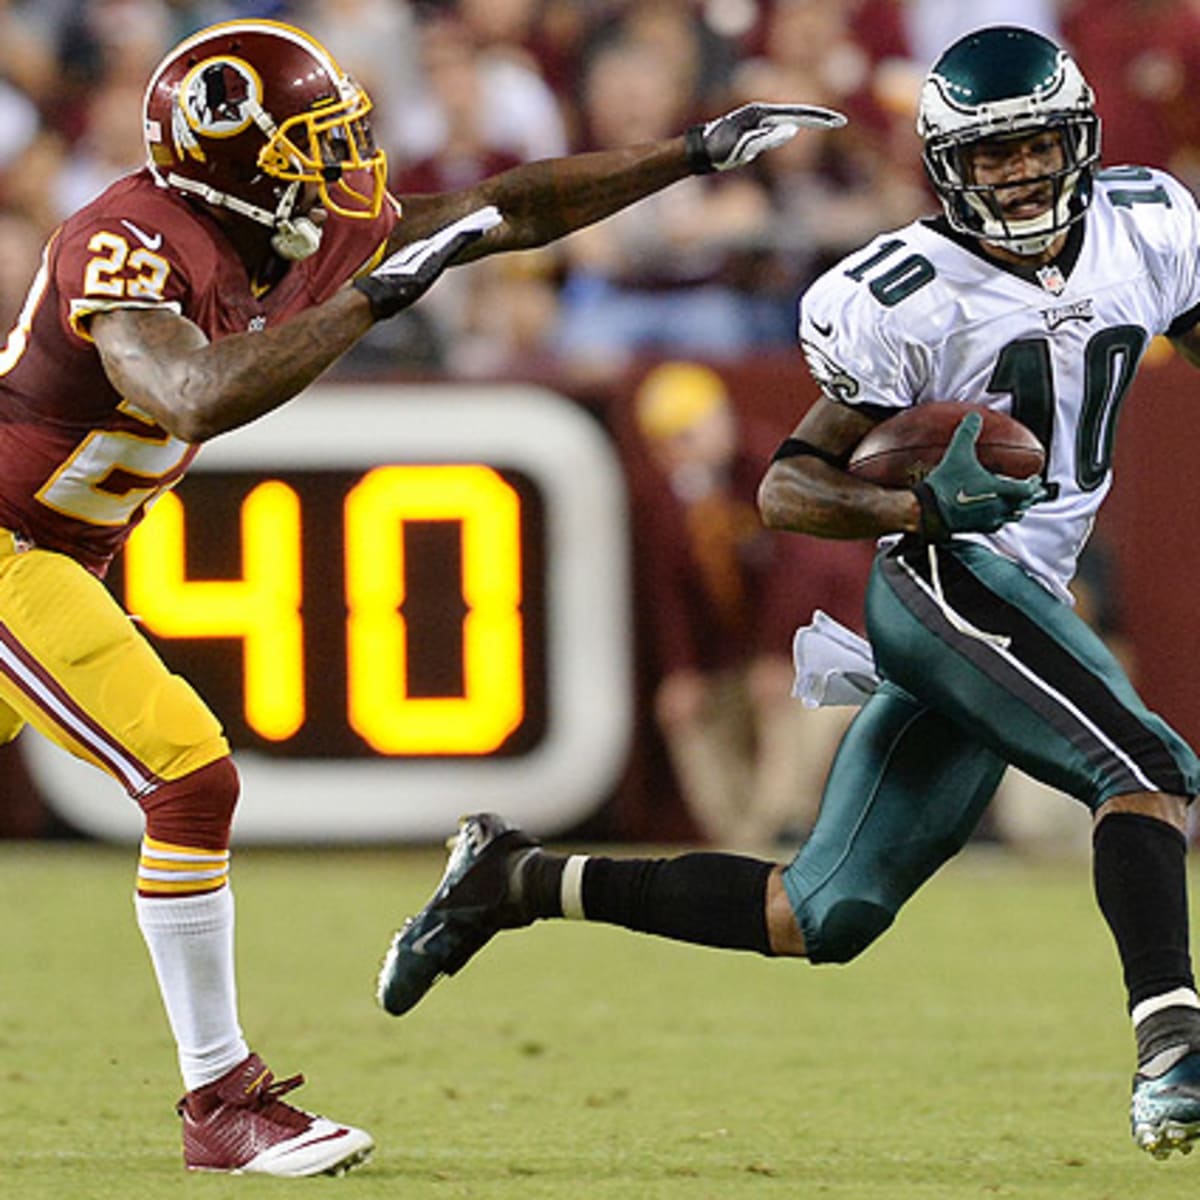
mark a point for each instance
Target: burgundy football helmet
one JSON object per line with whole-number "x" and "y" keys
{"x": 245, "y": 114}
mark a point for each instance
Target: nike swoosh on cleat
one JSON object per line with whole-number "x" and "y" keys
{"x": 151, "y": 243}
{"x": 963, "y": 497}
{"x": 1163, "y": 1061}
{"x": 340, "y": 1132}
{"x": 419, "y": 944}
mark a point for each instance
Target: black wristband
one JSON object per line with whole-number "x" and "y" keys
{"x": 697, "y": 153}
{"x": 798, "y": 447}
{"x": 933, "y": 527}
{"x": 385, "y": 300}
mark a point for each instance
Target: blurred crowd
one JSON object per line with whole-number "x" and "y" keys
{"x": 465, "y": 88}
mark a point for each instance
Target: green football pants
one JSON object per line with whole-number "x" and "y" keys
{"x": 982, "y": 667}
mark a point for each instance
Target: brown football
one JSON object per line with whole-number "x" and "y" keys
{"x": 903, "y": 449}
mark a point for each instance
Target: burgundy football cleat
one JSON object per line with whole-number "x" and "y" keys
{"x": 239, "y": 1124}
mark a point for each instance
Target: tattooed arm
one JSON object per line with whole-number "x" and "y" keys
{"x": 165, "y": 365}
{"x": 807, "y": 493}
{"x": 544, "y": 200}
{"x": 196, "y": 389}
{"x": 541, "y": 201}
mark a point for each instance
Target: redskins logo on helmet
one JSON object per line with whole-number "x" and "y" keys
{"x": 216, "y": 96}
{"x": 247, "y": 114}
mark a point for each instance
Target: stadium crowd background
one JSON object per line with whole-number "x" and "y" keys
{"x": 466, "y": 88}
{"x": 707, "y": 270}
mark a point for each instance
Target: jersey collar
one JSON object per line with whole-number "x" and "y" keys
{"x": 1064, "y": 261}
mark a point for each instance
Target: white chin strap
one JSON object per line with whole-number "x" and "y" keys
{"x": 295, "y": 238}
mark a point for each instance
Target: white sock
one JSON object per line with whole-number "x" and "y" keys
{"x": 1181, "y": 997}
{"x": 190, "y": 939}
{"x": 571, "y": 888}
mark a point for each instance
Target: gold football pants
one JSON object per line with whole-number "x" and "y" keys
{"x": 74, "y": 666}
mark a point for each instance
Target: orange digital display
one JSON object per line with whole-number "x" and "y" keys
{"x": 381, "y": 709}
{"x": 392, "y": 612}
{"x": 261, "y": 609}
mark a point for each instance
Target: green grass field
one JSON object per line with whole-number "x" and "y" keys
{"x": 980, "y": 1050}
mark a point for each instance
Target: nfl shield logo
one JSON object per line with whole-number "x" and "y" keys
{"x": 1052, "y": 279}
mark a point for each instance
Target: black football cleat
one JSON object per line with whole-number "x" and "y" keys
{"x": 473, "y": 902}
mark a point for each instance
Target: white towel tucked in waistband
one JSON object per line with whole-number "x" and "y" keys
{"x": 834, "y": 666}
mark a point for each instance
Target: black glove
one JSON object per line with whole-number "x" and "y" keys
{"x": 406, "y": 276}
{"x": 960, "y": 496}
{"x": 741, "y": 136}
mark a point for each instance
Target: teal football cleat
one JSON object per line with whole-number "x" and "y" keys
{"x": 1165, "y": 1112}
{"x": 473, "y": 902}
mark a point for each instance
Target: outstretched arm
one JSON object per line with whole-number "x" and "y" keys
{"x": 542, "y": 201}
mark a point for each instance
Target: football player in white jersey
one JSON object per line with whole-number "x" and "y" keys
{"x": 1036, "y": 292}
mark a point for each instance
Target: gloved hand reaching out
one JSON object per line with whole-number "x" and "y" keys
{"x": 408, "y": 274}
{"x": 741, "y": 136}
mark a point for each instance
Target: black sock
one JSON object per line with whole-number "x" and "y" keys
{"x": 537, "y": 883}
{"x": 711, "y": 899}
{"x": 1169, "y": 1030}
{"x": 1140, "y": 876}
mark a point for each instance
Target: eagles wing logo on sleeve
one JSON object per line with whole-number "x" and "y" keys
{"x": 219, "y": 97}
{"x": 835, "y": 381}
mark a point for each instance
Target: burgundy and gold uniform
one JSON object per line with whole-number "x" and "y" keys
{"x": 79, "y": 466}
{"x": 252, "y": 132}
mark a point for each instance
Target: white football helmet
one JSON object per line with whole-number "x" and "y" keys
{"x": 1002, "y": 82}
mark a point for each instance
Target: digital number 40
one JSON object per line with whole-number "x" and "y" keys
{"x": 263, "y": 608}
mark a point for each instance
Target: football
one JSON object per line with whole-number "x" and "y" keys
{"x": 901, "y": 450}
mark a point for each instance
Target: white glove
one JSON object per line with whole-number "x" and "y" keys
{"x": 405, "y": 276}
{"x": 741, "y": 136}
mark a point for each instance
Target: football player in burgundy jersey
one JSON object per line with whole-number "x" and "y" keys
{"x": 191, "y": 297}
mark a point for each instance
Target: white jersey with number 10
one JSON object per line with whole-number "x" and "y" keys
{"x": 920, "y": 315}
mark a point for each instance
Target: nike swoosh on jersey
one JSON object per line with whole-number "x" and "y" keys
{"x": 151, "y": 243}
{"x": 963, "y": 497}
{"x": 823, "y": 330}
